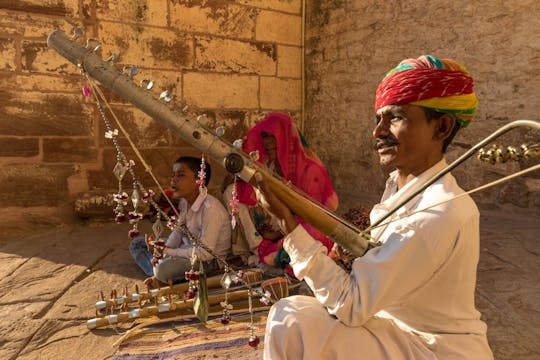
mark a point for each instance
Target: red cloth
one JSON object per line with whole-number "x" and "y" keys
{"x": 304, "y": 171}
{"x": 407, "y": 86}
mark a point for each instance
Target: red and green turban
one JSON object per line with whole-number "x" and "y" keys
{"x": 439, "y": 84}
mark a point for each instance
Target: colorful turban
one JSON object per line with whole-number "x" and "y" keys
{"x": 442, "y": 85}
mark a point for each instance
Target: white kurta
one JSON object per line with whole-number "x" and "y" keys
{"x": 412, "y": 298}
{"x": 208, "y": 221}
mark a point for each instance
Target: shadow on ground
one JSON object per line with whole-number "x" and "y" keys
{"x": 51, "y": 280}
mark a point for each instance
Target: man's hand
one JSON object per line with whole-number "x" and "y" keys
{"x": 276, "y": 207}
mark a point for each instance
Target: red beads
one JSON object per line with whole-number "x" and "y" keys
{"x": 190, "y": 294}
{"x": 191, "y": 275}
{"x": 133, "y": 233}
{"x": 254, "y": 341}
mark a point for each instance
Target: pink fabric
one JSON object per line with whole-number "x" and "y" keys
{"x": 303, "y": 169}
{"x": 305, "y": 172}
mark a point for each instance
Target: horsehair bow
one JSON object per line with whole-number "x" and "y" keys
{"x": 233, "y": 159}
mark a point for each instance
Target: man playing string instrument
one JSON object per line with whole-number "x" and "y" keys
{"x": 413, "y": 296}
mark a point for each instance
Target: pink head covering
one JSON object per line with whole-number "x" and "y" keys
{"x": 305, "y": 172}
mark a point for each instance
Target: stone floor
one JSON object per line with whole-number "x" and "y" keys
{"x": 50, "y": 281}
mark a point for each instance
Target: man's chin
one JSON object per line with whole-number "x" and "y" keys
{"x": 386, "y": 160}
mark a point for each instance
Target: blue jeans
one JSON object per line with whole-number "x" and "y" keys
{"x": 141, "y": 255}
{"x": 170, "y": 267}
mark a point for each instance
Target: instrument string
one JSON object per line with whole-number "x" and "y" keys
{"x": 147, "y": 168}
{"x": 479, "y": 188}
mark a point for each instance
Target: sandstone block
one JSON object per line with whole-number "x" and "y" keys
{"x": 37, "y": 114}
{"x": 289, "y": 61}
{"x": 159, "y": 159}
{"x": 163, "y": 80}
{"x": 38, "y": 82}
{"x": 213, "y": 17}
{"x": 132, "y": 11}
{"x": 290, "y": 6}
{"x": 33, "y": 185}
{"x": 33, "y": 25}
{"x": 7, "y": 54}
{"x": 45, "y": 7}
{"x": 278, "y": 27}
{"x": 223, "y": 55}
{"x": 11, "y": 147}
{"x": 146, "y": 46}
{"x": 280, "y": 93}
{"x": 221, "y": 91}
{"x": 143, "y": 130}
{"x": 66, "y": 150}
{"x": 37, "y": 57}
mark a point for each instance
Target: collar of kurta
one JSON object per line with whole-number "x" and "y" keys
{"x": 203, "y": 193}
{"x": 392, "y": 196}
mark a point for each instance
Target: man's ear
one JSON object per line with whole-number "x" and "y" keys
{"x": 445, "y": 125}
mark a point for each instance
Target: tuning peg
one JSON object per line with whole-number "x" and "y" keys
{"x": 77, "y": 33}
{"x": 130, "y": 70}
{"x": 93, "y": 44}
{"x": 166, "y": 96}
{"x": 147, "y": 84}
{"x": 202, "y": 119}
{"x": 220, "y": 131}
{"x": 237, "y": 144}
{"x": 254, "y": 155}
{"x": 113, "y": 58}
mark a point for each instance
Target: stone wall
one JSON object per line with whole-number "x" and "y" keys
{"x": 350, "y": 45}
{"x": 232, "y": 60}
{"x": 236, "y": 59}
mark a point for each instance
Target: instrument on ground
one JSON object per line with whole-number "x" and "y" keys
{"x": 171, "y": 300}
{"x": 111, "y": 305}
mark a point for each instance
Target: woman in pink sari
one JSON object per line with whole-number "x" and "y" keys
{"x": 280, "y": 148}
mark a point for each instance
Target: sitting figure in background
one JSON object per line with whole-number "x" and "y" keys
{"x": 203, "y": 215}
{"x": 282, "y": 150}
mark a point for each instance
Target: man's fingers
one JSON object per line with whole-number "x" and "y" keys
{"x": 260, "y": 181}
{"x": 268, "y": 196}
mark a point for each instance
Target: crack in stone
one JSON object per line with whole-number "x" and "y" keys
{"x": 25, "y": 343}
{"x": 501, "y": 259}
{"x": 17, "y": 268}
{"x": 78, "y": 279}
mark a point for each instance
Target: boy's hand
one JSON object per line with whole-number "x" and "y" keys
{"x": 149, "y": 239}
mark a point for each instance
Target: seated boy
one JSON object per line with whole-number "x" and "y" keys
{"x": 205, "y": 218}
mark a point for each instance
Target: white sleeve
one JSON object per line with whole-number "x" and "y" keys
{"x": 213, "y": 220}
{"x": 380, "y": 278}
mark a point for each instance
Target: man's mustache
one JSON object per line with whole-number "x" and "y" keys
{"x": 385, "y": 141}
